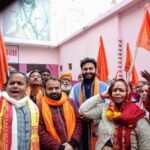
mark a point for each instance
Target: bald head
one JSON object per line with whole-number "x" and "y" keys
{"x": 16, "y": 86}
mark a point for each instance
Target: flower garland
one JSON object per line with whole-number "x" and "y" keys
{"x": 112, "y": 115}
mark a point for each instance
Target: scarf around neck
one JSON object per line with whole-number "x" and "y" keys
{"x": 16, "y": 103}
{"x": 130, "y": 114}
{"x": 69, "y": 115}
{"x": 96, "y": 90}
{"x": 38, "y": 95}
{"x": 8, "y": 122}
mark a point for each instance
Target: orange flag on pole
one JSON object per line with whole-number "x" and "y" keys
{"x": 102, "y": 67}
{"x": 128, "y": 63}
{"x": 144, "y": 34}
{"x": 3, "y": 63}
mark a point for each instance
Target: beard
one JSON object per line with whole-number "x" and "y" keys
{"x": 88, "y": 77}
{"x": 66, "y": 88}
{"x": 55, "y": 96}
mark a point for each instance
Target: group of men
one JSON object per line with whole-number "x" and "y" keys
{"x": 41, "y": 112}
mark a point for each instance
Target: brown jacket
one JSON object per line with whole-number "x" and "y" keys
{"x": 47, "y": 142}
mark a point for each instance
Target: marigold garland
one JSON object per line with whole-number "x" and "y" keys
{"x": 112, "y": 115}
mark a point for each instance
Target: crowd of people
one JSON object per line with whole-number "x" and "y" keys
{"x": 41, "y": 112}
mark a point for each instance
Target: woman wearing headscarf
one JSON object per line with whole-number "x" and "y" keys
{"x": 122, "y": 125}
{"x": 143, "y": 99}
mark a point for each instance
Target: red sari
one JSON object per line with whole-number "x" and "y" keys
{"x": 130, "y": 114}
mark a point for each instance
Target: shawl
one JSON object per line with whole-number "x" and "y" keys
{"x": 130, "y": 114}
{"x": 8, "y": 122}
{"x": 96, "y": 90}
{"x": 39, "y": 94}
{"x": 69, "y": 115}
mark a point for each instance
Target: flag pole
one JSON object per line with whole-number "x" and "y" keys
{"x": 132, "y": 64}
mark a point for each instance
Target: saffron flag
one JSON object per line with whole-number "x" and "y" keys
{"x": 144, "y": 34}
{"x": 3, "y": 63}
{"x": 102, "y": 67}
{"x": 134, "y": 79}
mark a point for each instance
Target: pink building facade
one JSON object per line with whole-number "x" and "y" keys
{"x": 117, "y": 27}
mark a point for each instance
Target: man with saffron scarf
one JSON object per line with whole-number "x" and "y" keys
{"x": 19, "y": 116}
{"x": 34, "y": 91}
{"x": 60, "y": 126}
{"x": 81, "y": 91}
{"x": 66, "y": 82}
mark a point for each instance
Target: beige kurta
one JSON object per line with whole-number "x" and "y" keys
{"x": 92, "y": 109}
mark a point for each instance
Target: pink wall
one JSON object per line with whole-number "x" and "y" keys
{"x": 23, "y": 68}
{"x": 87, "y": 45}
{"x": 122, "y": 23}
{"x": 54, "y": 70}
{"x": 37, "y": 55}
{"x": 130, "y": 23}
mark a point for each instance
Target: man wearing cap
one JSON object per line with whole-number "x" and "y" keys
{"x": 66, "y": 82}
{"x": 83, "y": 90}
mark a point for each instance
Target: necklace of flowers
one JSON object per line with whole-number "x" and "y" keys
{"x": 111, "y": 114}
